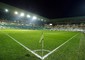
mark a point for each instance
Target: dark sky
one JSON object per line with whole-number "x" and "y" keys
{"x": 51, "y": 8}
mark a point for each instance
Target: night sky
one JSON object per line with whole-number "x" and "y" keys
{"x": 51, "y": 8}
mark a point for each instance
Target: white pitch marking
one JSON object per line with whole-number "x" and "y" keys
{"x": 58, "y": 47}
{"x": 41, "y": 50}
{"x": 42, "y": 58}
{"x": 24, "y": 46}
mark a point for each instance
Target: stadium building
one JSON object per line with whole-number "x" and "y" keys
{"x": 28, "y": 36}
{"x": 13, "y": 15}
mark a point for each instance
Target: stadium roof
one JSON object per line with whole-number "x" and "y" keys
{"x": 12, "y": 9}
{"x": 80, "y": 19}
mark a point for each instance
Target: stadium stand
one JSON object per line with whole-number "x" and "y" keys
{"x": 10, "y": 20}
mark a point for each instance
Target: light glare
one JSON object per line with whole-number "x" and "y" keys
{"x": 28, "y": 16}
{"x": 41, "y": 19}
{"x": 16, "y": 12}
{"x": 34, "y": 17}
{"x": 6, "y": 10}
{"x": 22, "y": 14}
{"x": 50, "y": 24}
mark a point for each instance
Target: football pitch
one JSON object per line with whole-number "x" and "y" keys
{"x": 41, "y": 45}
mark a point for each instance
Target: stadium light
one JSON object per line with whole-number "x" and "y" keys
{"x": 22, "y": 14}
{"x": 34, "y": 18}
{"x": 16, "y": 12}
{"x": 50, "y": 24}
{"x": 28, "y": 16}
{"x": 6, "y": 10}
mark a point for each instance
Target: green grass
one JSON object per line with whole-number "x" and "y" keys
{"x": 72, "y": 50}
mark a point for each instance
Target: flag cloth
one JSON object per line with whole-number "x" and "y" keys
{"x": 42, "y": 37}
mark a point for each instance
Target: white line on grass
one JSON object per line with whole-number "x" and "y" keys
{"x": 58, "y": 47}
{"x": 41, "y": 50}
{"x": 42, "y": 58}
{"x": 24, "y": 46}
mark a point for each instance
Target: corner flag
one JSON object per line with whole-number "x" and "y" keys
{"x": 42, "y": 37}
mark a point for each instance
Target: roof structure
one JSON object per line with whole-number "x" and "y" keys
{"x": 69, "y": 20}
{"x": 12, "y": 9}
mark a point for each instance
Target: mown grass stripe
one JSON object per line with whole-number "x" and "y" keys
{"x": 24, "y": 46}
{"x": 58, "y": 47}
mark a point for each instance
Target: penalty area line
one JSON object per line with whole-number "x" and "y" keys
{"x": 58, "y": 47}
{"x": 24, "y": 46}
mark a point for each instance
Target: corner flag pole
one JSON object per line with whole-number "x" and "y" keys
{"x": 42, "y": 42}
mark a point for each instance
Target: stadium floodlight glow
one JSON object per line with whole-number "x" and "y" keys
{"x": 6, "y": 10}
{"x": 34, "y": 18}
{"x": 28, "y": 16}
{"x": 22, "y": 14}
{"x": 41, "y": 19}
{"x": 16, "y": 12}
{"x": 50, "y": 24}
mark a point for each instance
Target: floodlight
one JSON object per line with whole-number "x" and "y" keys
{"x": 22, "y": 14}
{"x": 50, "y": 24}
{"x": 28, "y": 16}
{"x": 16, "y": 12}
{"x": 41, "y": 19}
{"x": 6, "y": 10}
{"x": 34, "y": 18}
